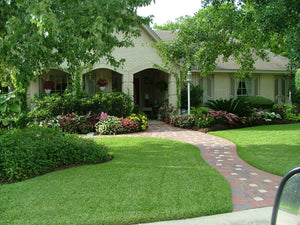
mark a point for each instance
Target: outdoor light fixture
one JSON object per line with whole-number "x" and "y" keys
{"x": 189, "y": 80}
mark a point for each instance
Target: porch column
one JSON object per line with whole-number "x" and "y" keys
{"x": 127, "y": 84}
{"x": 172, "y": 91}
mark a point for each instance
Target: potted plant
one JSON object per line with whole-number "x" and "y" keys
{"x": 102, "y": 83}
{"x": 166, "y": 112}
{"x": 48, "y": 86}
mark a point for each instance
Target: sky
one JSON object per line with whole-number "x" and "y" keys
{"x": 169, "y": 10}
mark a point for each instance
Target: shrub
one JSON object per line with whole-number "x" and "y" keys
{"x": 129, "y": 126}
{"x": 259, "y": 102}
{"x": 237, "y": 106}
{"x": 287, "y": 112}
{"x": 10, "y": 112}
{"x": 166, "y": 111}
{"x": 34, "y": 151}
{"x": 142, "y": 119}
{"x": 226, "y": 118}
{"x": 110, "y": 125}
{"x": 197, "y": 112}
{"x": 268, "y": 116}
{"x": 183, "y": 121}
{"x": 52, "y": 123}
{"x": 206, "y": 120}
{"x": 114, "y": 103}
{"x": 72, "y": 123}
{"x": 196, "y": 94}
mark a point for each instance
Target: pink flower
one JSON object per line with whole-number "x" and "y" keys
{"x": 103, "y": 115}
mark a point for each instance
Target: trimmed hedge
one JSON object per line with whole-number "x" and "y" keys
{"x": 113, "y": 103}
{"x": 259, "y": 102}
{"x": 34, "y": 151}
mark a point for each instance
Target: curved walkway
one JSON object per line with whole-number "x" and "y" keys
{"x": 251, "y": 188}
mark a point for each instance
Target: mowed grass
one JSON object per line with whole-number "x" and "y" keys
{"x": 148, "y": 180}
{"x": 273, "y": 148}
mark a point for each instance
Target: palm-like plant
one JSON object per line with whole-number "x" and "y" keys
{"x": 237, "y": 106}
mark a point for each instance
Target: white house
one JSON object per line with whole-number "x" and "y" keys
{"x": 140, "y": 78}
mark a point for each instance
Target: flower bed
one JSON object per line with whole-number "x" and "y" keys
{"x": 103, "y": 124}
{"x": 203, "y": 120}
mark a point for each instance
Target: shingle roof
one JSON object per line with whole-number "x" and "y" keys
{"x": 276, "y": 63}
{"x": 165, "y": 35}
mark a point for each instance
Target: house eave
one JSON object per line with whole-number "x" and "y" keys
{"x": 152, "y": 33}
{"x": 256, "y": 71}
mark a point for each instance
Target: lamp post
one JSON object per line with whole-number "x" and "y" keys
{"x": 188, "y": 80}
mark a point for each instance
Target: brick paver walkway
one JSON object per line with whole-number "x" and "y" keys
{"x": 251, "y": 188}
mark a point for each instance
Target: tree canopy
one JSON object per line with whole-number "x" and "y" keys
{"x": 279, "y": 21}
{"x": 236, "y": 30}
{"x": 39, "y": 35}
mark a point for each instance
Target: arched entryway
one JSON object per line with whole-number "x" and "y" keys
{"x": 150, "y": 90}
{"x": 92, "y": 81}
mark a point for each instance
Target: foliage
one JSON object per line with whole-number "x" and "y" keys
{"x": 196, "y": 96}
{"x": 278, "y": 22}
{"x": 141, "y": 119}
{"x": 205, "y": 120}
{"x": 114, "y": 103}
{"x": 72, "y": 123}
{"x": 166, "y": 111}
{"x": 102, "y": 82}
{"x": 197, "y": 112}
{"x": 295, "y": 89}
{"x": 11, "y": 115}
{"x": 236, "y": 106}
{"x": 34, "y": 151}
{"x": 129, "y": 126}
{"x": 9, "y": 104}
{"x": 111, "y": 125}
{"x": 224, "y": 117}
{"x": 267, "y": 116}
{"x": 259, "y": 102}
{"x": 211, "y": 33}
{"x": 297, "y": 80}
{"x": 287, "y": 112}
{"x": 171, "y": 26}
{"x": 38, "y": 35}
{"x": 51, "y": 123}
{"x": 183, "y": 121}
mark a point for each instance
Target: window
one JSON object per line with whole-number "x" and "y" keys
{"x": 207, "y": 84}
{"x": 116, "y": 82}
{"x": 281, "y": 89}
{"x": 242, "y": 90}
{"x": 59, "y": 78}
{"x": 60, "y": 81}
{"x": 248, "y": 86}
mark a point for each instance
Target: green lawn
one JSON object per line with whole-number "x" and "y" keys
{"x": 273, "y": 148}
{"x": 148, "y": 180}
